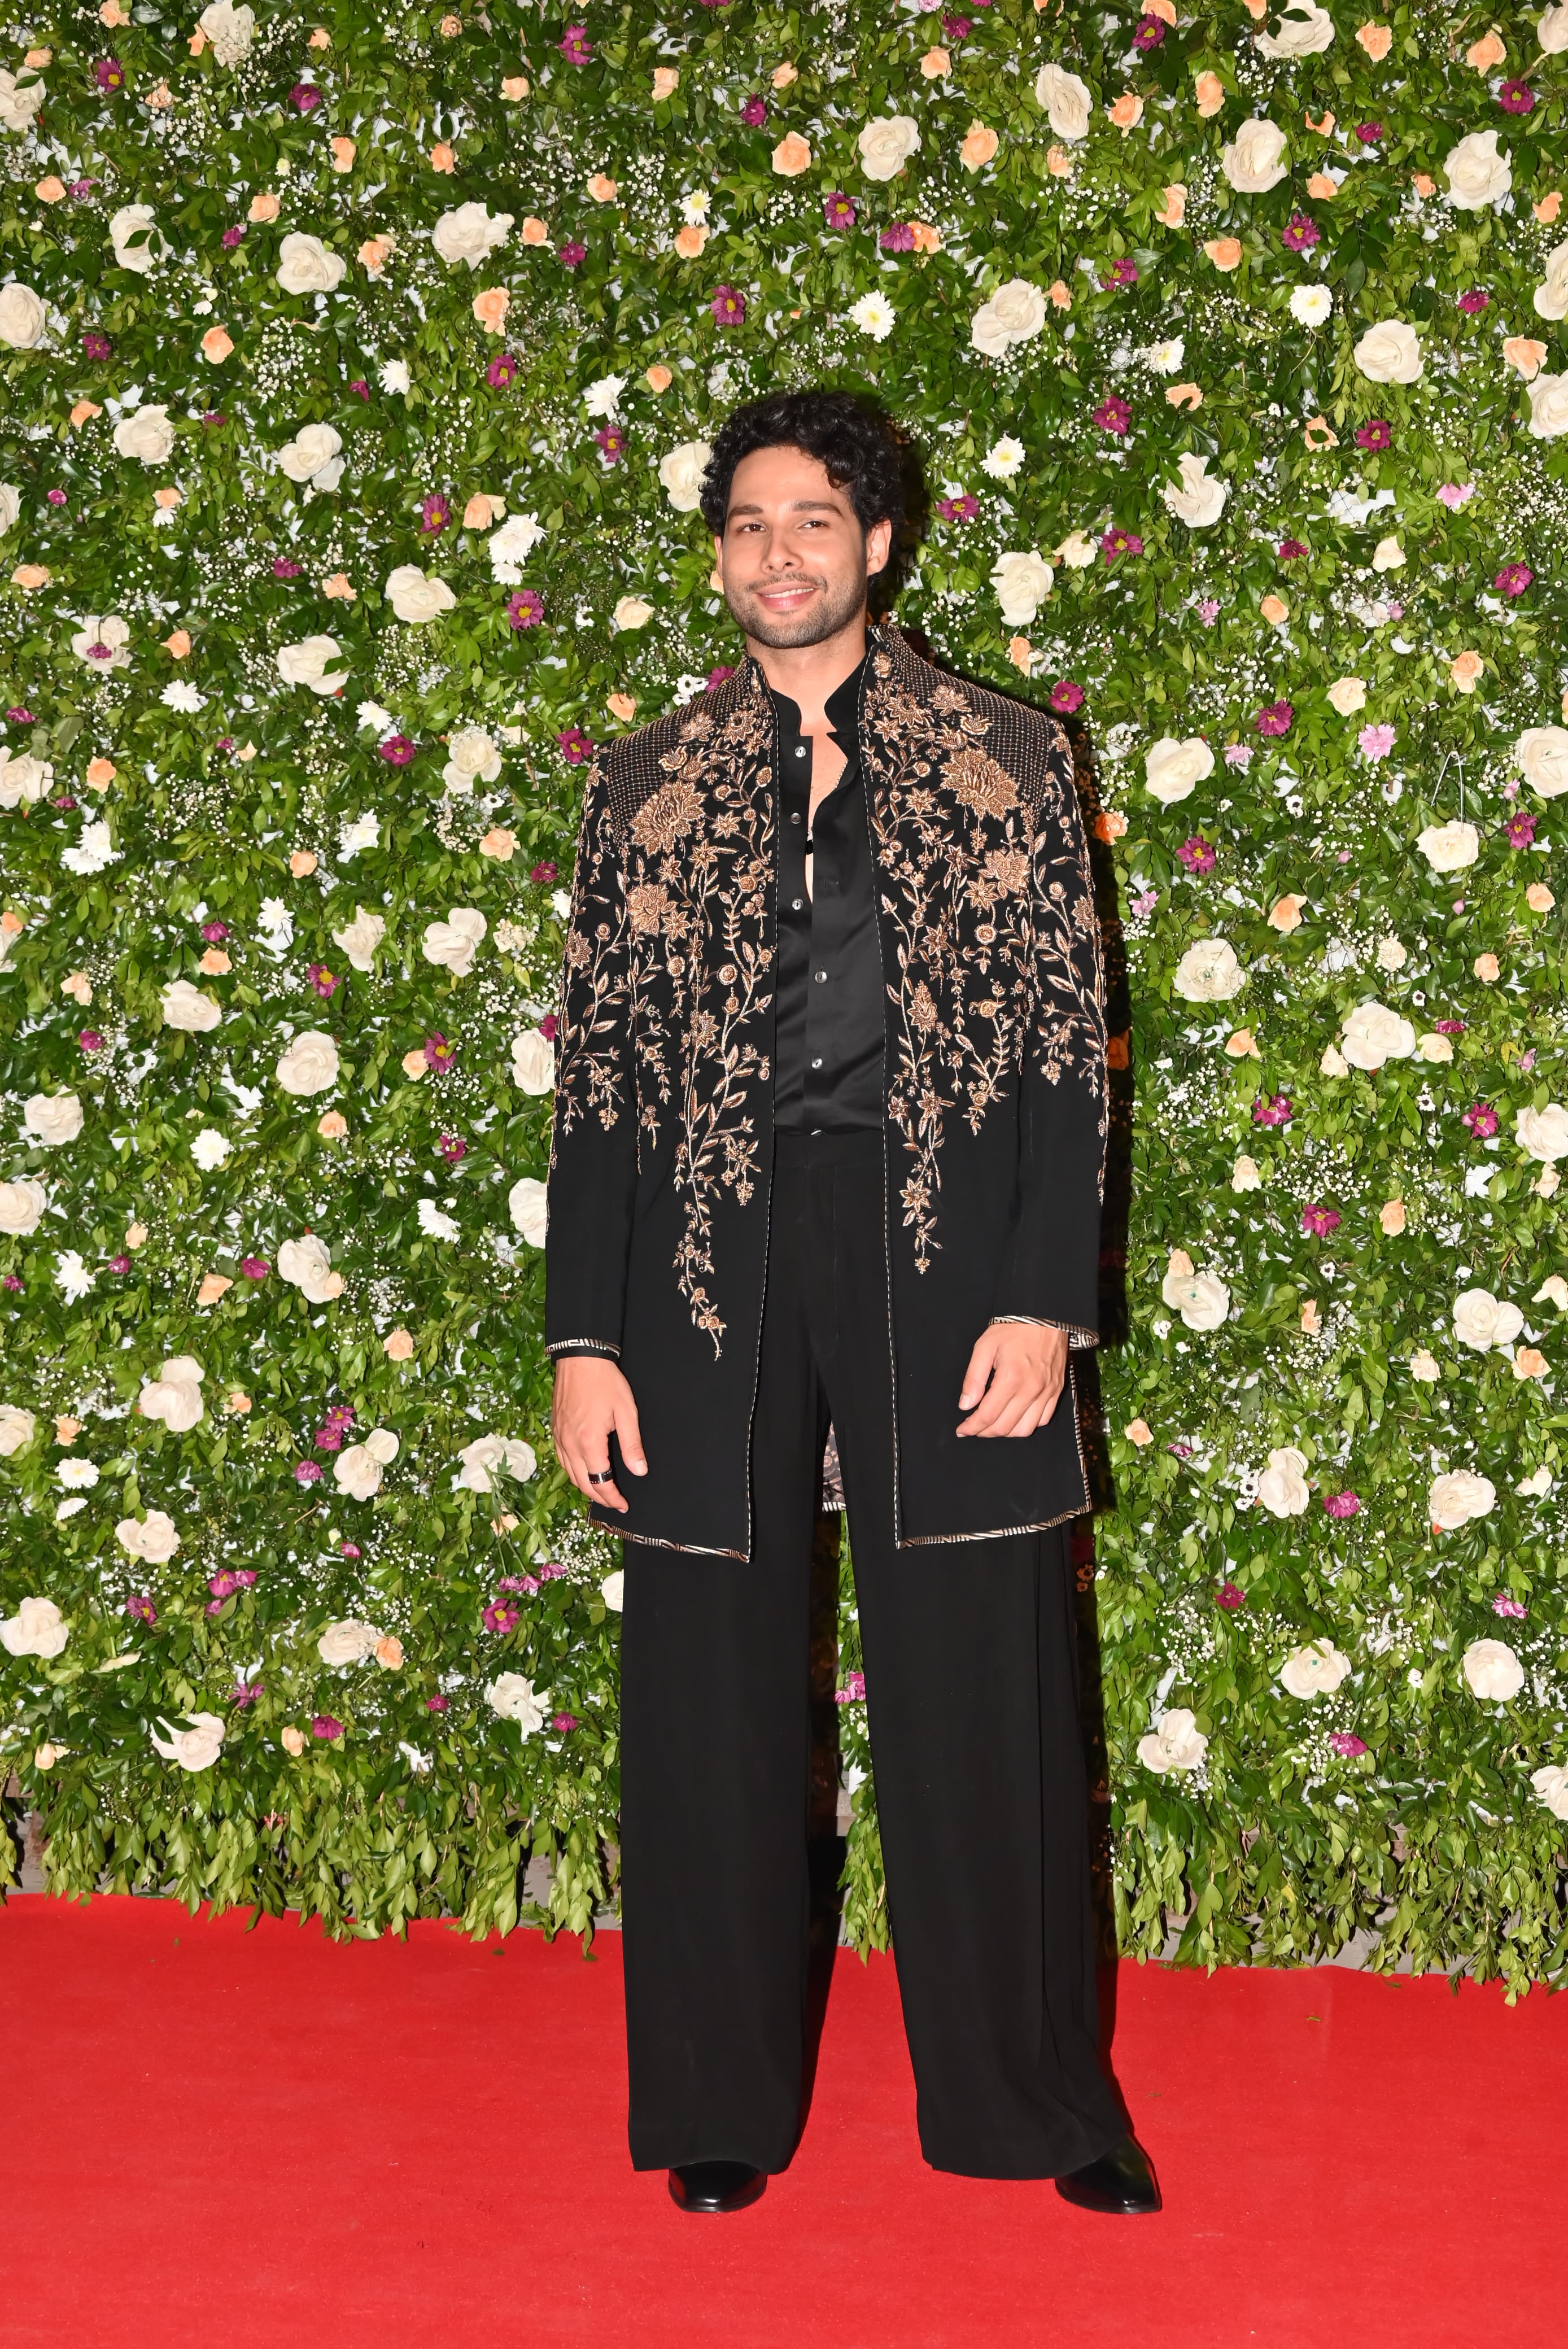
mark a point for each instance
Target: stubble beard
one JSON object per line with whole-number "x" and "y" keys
{"x": 830, "y": 612}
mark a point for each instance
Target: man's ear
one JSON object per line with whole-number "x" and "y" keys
{"x": 717, "y": 555}
{"x": 879, "y": 546}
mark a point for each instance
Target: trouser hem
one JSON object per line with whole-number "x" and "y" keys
{"x": 1025, "y": 2162}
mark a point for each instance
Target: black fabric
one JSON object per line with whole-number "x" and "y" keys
{"x": 830, "y": 1026}
{"x": 973, "y": 1707}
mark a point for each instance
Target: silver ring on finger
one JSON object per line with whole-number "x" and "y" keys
{"x": 601, "y": 1476}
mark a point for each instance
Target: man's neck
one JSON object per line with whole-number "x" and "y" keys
{"x": 808, "y": 673}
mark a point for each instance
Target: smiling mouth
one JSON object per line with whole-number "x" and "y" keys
{"x": 786, "y": 592}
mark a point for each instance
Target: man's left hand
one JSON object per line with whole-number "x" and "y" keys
{"x": 1024, "y": 1365}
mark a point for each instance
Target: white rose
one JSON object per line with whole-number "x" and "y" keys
{"x": 631, "y": 612}
{"x": 1552, "y": 1783}
{"x": 313, "y": 456}
{"x": 21, "y": 1205}
{"x": 1200, "y": 502}
{"x": 22, "y": 318}
{"x": 1171, "y": 768}
{"x": 131, "y": 233}
{"x": 1435, "y": 1048}
{"x": 1552, "y": 30}
{"x": 306, "y": 1266}
{"x": 1552, "y": 1291}
{"x": 1542, "y": 753}
{"x": 1543, "y": 1133}
{"x": 10, "y": 506}
{"x": 20, "y": 99}
{"x": 1482, "y": 1321}
{"x": 309, "y": 1065}
{"x": 196, "y": 1748}
{"x": 887, "y": 144}
{"x": 1281, "y": 1487}
{"x": 488, "y": 1454}
{"x": 230, "y": 30}
{"x": 681, "y": 472}
{"x": 1373, "y": 1034}
{"x": 306, "y": 267}
{"x": 55, "y": 1118}
{"x": 1068, "y": 102}
{"x": 37, "y": 1629}
{"x": 186, "y": 1007}
{"x": 510, "y": 546}
{"x": 414, "y": 597}
{"x": 1551, "y": 297}
{"x": 357, "y": 1469}
{"x": 360, "y": 939}
{"x": 174, "y": 1396}
{"x": 309, "y": 663}
{"x": 17, "y": 1429}
{"x": 100, "y": 633}
{"x": 527, "y": 1205}
{"x": 1455, "y": 1499}
{"x": 348, "y": 1642}
{"x": 211, "y": 1149}
{"x": 1387, "y": 555}
{"x": 1254, "y": 160}
{"x": 533, "y": 1061}
{"x": 1078, "y": 550}
{"x": 613, "y": 1590}
{"x": 473, "y": 756}
{"x": 1203, "y": 1300}
{"x": 470, "y": 233}
{"x": 1389, "y": 352}
{"x": 1393, "y": 954}
{"x": 1494, "y": 1670}
{"x": 1175, "y": 1742}
{"x": 1448, "y": 847}
{"x": 1476, "y": 174}
{"x": 1015, "y": 314}
{"x": 22, "y": 777}
{"x": 1305, "y": 30}
{"x": 516, "y": 1699}
{"x": 1247, "y": 1174}
{"x": 151, "y": 1537}
{"x": 1348, "y": 694}
{"x": 1312, "y": 305}
{"x": 454, "y": 943}
{"x": 148, "y": 435}
{"x": 1022, "y": 583}
{"x": 1209, "y": 972}
{"x": 1548, "y": 407}
{"x": 1314, "y": 1670}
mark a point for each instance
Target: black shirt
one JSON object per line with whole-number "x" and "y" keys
{"x": 828, "y": 1066}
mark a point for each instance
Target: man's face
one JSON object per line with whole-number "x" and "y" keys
{"x": 793, "y": 558}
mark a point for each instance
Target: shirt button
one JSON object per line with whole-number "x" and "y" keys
{"x": 816, "y": 1064}
{"x": 799, "y": 749}
{"x": 795, "y": 818}
{"x": 796, "y": 903}
{"x": 818, "y": 974}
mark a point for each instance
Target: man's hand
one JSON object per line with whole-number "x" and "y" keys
{"x": 1026, "y": 1365}
{"x": 590, "y": 1398}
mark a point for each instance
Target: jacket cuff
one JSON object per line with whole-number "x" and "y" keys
{"x": 1078, "y": 1338}
{"x": 599, "y": 1348}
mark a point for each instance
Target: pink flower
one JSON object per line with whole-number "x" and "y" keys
{"x": 1454, "y": 494}
{"x": 1378, "y": 434}
{"x": 1369, "y": 134}
{"x": 1474, "y": 301}
{"x": 435, "y": 513}
{"x": 1228, "y": 1596}
{"x": 502, "y": 1615}
{"x": 1113, "y": 415}
{"x": 964, "y": 509}
{"x": 547, "y": 1027}
{"x": 1341, "y": 1504}
{"x": 438, "y": 1054}
{"x": 322, "y": 981}
{"x": 1291, "y": 550}
{"x": 1375, "y": 741}
{"x": 853, "y": 1691}
{"x": 397, "y": 750}
{"x": 1522, "y": 830}
{"x": 1065, "y": 696}
{"x": 438, "y": 1703}
{"x": 1317, "y": 1222}
{"x": 1344, "y": 1742}
{"x": 1196, "y": 854}
{"x": 1301, "y": 233}
{"x": 109, "y": 74}
{"x": 1449, "y": 1027}
{"x": 1513, "y": 579}
{"x": 719, "y": 675}
{"x": 1481, "y": 1121}
{"x": 141, "y": 1606}
{"x": 838, "y": 211}
{"x": 1121, "y": 273}
{"x": 1208, "y": 611}
{"x": 1272, "y": 1109}
{"x": 244, "y": 1692}
{"x": 572, "y": 254}
{"x": 563, "y": 1722}
{"x": 1275, "y": 717}
{"x": 897, "y": 237}
{"x": 90, "y": 1040}
{"x": 754, "y": 113}
{"x": 729, "y": 306}
{"x": 575, "y": 746}
{"x": 574, "y": 46}
{"x": 307, "y": 1472}
{"x": 525, "y": 609}
{"x": 502, "y": 370}
{"x": 1503, "y": 1605}
{"x": 304, "y": 98}
{"x": 1150, "y": 32}
{"x": 1146, "y": 902}
{"x": 325, "y": 1725}
{"x": 1516, "y": 98}
{"x": 612, "y": 441}
{"x": 1118, "y": 542}
{"x": 254, "y": 1268}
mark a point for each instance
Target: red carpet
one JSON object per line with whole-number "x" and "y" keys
{"x": 216, "y": 2137}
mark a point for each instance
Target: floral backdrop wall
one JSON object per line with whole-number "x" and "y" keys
{"x": 357, "y": 376}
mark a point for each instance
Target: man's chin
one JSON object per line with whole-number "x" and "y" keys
{"x": 789, "y": 632}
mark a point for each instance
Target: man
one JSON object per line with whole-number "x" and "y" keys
{"x": 830, "y": 1110}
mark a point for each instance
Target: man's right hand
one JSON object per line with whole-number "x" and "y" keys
{"x": 591, "y": 1397}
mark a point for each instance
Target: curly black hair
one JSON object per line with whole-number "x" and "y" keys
{"x": 856, "y": 448}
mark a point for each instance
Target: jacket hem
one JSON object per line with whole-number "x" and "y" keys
{"x": 690, "y": 1549}
{"x": 997, "y": 1533}
{"x": 1078, "y": 1333}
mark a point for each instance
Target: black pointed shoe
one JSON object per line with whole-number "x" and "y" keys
{"x": 717, "y": 2184}
{"x": 1120, "y": 2181}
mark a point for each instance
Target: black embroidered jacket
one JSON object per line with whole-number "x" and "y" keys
{"x": 994, "y": 1085}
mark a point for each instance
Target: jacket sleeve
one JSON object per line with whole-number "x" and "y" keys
{"x": 593, "y": 1141}
{"x": 1050, "y": 1266}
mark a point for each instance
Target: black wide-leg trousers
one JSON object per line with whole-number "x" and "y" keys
{"x": 973, "y": 1712}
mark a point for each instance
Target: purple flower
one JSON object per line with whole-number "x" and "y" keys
{"x": 1229, "y": 1597}
{"x": 1369, "y": 134}
{"x": 1516, "y": 98}
{"x": 435, "y": 513}
{"x": 543, "y": 875}
{"x": 1196, "y": 854}
{"x": 1146, "y": 902}
{"x": 1150, "y": 32}
{"x": 1341, "y": 1504}
{"x": 360, "y": 389}
{"x": 575, "y": 46}
{"x": 718, "y": 677}
{"x": 326, "y": 1726}
{"x": 505, "y": 367}
{"x": 729, "y": 306}
{"x": 575, "y": 745}
{"x": 438, "y": 1054}
{"x": 964, "y": 509}
{"x": 96, "y": 346}
{"x": 525, "y": 609}
{"x": 1301, "y": 233}
{"x": 1118, "y": 542}
{"x": 564, "y": 1722}
{"x": 214, "y": 933}
{"x": 307, "y": 1472}
{"x": 244, "y": 1692}
{"x": 1208, "y": 611}
{"x": 119, "y": 1264}
{"x": 1343, "y": 1743}
{"x": 547, "y": 1027}
{"x": 572, "y": 254}
{"x": 90, "y": 1040}
{"x": 397, "y": 750}
{"x": 1479, "y": 1121}
{"x": 1503, "y": 1605}
{"x": 1318, "y": 1222}
{"x": 754, "y": 113}
{"x": 1272, "y": 1109}
{"x": 611, "y": 441}
{"x": 897, "y": 237}
{"x": 1375, "y": 741}
{"x": 853, "y": 1691}
{"x": 1377, "y": 434}
{"x": 304, "y": 98}
{"x": 1275, "y": 717}
{"x": 452, "y": 1147}
{"x": 1113, "y": 415}
{"x": 1473, "y": 301}
{"x": 502, "y": 1615}
{"x": 233, "y": 236}
{"x": 141, "y": 1606}
{"x": 438, "y": 1703}
{"x": 1291, "y": 550}
{"x": 254, "y": 1268}
{"x": 1522, "y": 830}
{"x": 1121, "y": 273}
{"x": 840, "y": 210}
{"x": 1065, "y": 696}
{"x": 323, "y": 981}
{"x": 1513, "y": 579}
{"x": 109, "y": 74}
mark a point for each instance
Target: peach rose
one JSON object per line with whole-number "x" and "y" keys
{"x": 1058, "y": 162}
{"x": 1286, "y": 915}
{"x": 443, "y": 157}
{"x": 534, "y": 231}
{"x": 344, "y": 152}
{"x": 215, "y": 963}
{"x": 1530, "y": 1362}
{"x": 374, "y": 254}
{"x": 1128, "y": 111}
{"x": 1109, "y": 824}
{"x": 1138, "y": 1432}
{"x": 178, "y": 643}
{"x": 49, "y": 190}
{"x": 480, "y": 512}
{"x": 212, "y": 1287}
{"x": 791, "y": 156}
{"x": 83, "y": 410}
{"x": 1526, "y": 354}
{"x": 1243, "y": 1046}
{"x": 926, "y": 238}
{"x": 388, "y": 1652}
{"x": 499, "y": 844}
{"x": 101, "y": 773}
{"x": 1487, "y": 969}
{"x": 1376, "y": 40}
{"x": 514, "y": 87}
{"x": 1020, "y": 652}
{"x": 980, "y": 143}
{"x": 415, "y": 1065}
{"x": 302, "y": 863}
{"x": 1324, "y": 128}
{"x": 490, "y": 308}
{"x": 667, "y": 81}
{"x": 1318, "y": 433}
{"x": 1391, "y": 1215}
{"x": 343, "y": 591}
{"x": 1424, "y": 184}
{"x": 398, "y": 1345}
{"x": 622, "y": 706}
{"x": 450, "y": 27}
{"x": 1311, "y": 1319}
{"x": 291, "y": 1741}
{"x": 31, "y": 575}
{"x": 322, "y": 40}
{"x": 1185, "y": 395}
{"x": 1224, "y": 251}
{"x": 1547, "y": 209}
{"x": 603, "y": 190}
{"x": 265, "y": 207}
{"x": 1210, "y": 92}
{"x": 935, "y": 63}
{"x": 690, "y": 240}
{"x": 1539, "y": 897}
{"x": 332, "y": 1126}
{"x": 1275, "y": 610}
{"x": 1060, "y": 298}
{"x": 782, "y": 76}
{"x": 1487, "y": 52}
{"x": 1321, "y": 188}
{"x": 168, "y": 499}
{"x": 1465, "y": 670}
{"x": 1173, "y": 212}
{"x": 658, "y": 378}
